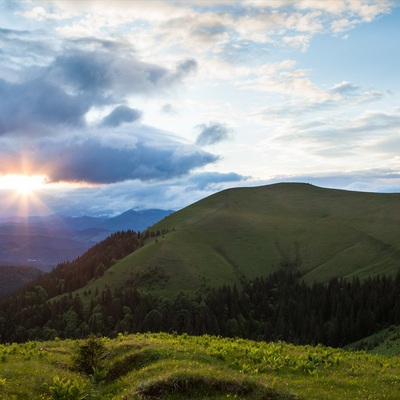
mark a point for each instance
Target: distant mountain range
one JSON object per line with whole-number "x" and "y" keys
{"x": 44, "y": 242}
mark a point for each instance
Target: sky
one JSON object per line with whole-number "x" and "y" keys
{"x": 111, "y": 105}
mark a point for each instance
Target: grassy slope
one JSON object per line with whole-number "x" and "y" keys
{"x": 250, "y": 231}
{"x": 150, "y": 366}
{"x": 385, "y": 342}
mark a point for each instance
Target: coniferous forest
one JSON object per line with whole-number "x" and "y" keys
{"x": 278, "y": 307}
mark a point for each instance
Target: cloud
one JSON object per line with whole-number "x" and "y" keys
{"x": 149, "y": 155}
{"x": 26, "y": 108}
{"x": 345, "y": 88}
{"x": 213, "y": 180}
{"x": 212, "y": 133}
{"x": 210, "y": 26}
{"x": 40, "y": 14}
{"x": 113, "y": 72}
{"x": 90, "y": 74}
{"x": 121, "y": 196}
{"x": 343, "y": 94}
{"x": 168, "y": 109}
{"x": 356, "y": 93}
{"x": 52, "y": 118}
{"x": 120, "y": 115}
{"x": 22, "y": 51}
{"x": 282, "y": 78}
{"x": 343, "y": 140}
{"x": 373, "y": 121}
{"x": 73, "y": 73}
{"x": 223, "y": 29}
{"x": 367, "y": 180}
{"x": 298, "y": 42}
{"x": 365, "y": 10}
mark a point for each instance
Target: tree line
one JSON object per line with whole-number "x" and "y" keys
{"x": 278, "y": 307}
{"x": 69, "y": 276}
{"x": 72, "y": 275}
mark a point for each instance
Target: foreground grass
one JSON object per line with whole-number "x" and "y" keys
{"x": 163, "y": 366}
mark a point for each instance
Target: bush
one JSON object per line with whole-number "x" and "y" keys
{"x": 90, "y": 356}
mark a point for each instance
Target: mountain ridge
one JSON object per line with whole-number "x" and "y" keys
{"x": 324, "y": 232}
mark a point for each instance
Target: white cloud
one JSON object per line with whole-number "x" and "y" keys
{"x": 343, "y": 141}
{"x": 383, "y": 121}
{"x": 176, "y": 27}
{"x": 41, "y": 14}
{"x": 368, "y": 10}
{"x": 342, "y": 24}
{"x": 331, "y": 7}
{"x": 298, "y": 42}
{"x": 139, "y": 9}
{"x": 283, "y": 78}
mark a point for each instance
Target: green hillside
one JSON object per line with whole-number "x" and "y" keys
{"x": 170, "y": 366}
{"x": 385, "y": 342}
{"x": 250, "y": 232}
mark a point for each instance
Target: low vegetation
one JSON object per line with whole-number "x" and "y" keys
{"x": 171, "y": 366}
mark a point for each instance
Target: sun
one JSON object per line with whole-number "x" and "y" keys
{"x": 23, "y": 185}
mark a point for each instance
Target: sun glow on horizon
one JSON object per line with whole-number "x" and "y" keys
{"x": 22, "y": 194}
{"x": 24, "y": 185}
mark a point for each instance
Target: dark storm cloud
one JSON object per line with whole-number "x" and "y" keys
{"x": 44, "y": 120}
{"x": 107, "y": 73}
{"x": 93, "y": 161}
{"x": 120, "y": 115}
{"x": 83, "y": 71}
{"x": 119, "y": 197}
{"x": 212, "y": 133}
{"x": 89, "y": 74}
{"x": 24, "y": 107}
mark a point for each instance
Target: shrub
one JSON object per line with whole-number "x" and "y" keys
{"x": 63, "y": 389}
{"x": 90, "y": 355}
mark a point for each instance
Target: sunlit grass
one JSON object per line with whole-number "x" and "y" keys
{"x": 147, "y": 366}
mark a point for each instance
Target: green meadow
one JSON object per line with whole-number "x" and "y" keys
{"x": 170, "y": 366}
{"x": 252, "y": 232}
